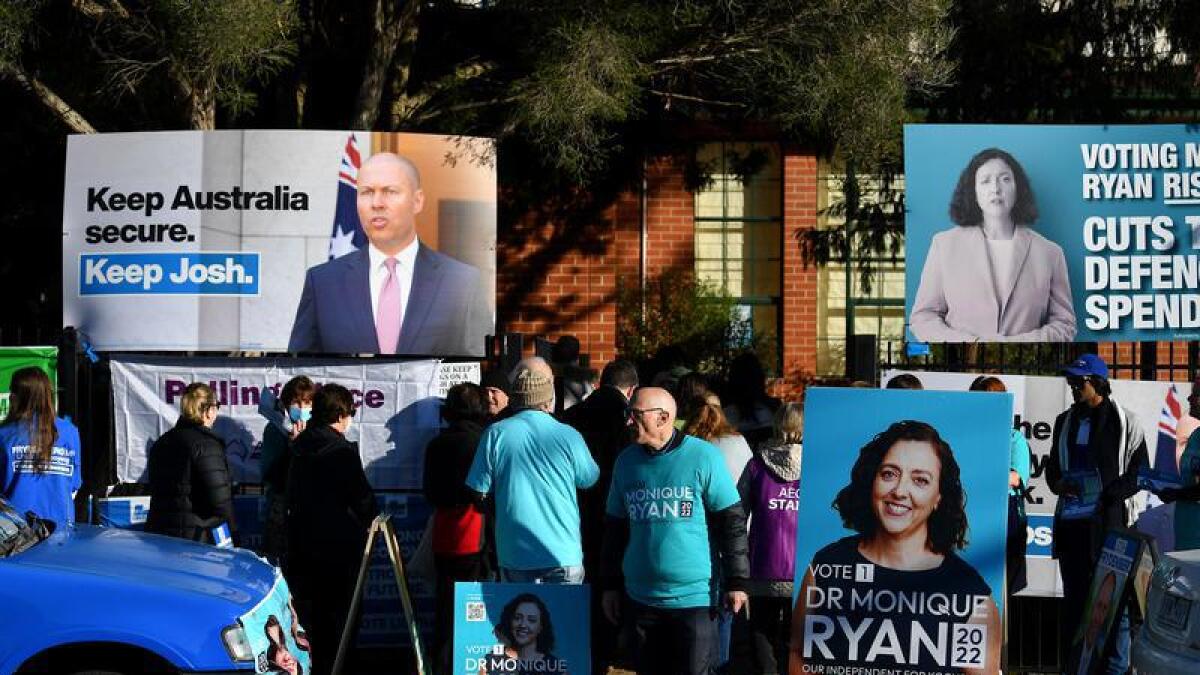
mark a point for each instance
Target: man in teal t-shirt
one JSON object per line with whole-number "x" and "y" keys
{"x": 533, "y": 465}
{"x": 669, "y": 491}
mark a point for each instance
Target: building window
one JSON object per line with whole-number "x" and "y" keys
{"x": 846, "y": 305}
{"x": 739, "y": 234}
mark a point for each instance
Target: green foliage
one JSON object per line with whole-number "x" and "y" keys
{"x": 211, "y": 49}
{"x": 835, "y": 73}
{"x": 15, "y": 19}
{"x": 682, "y": 312}
{"x": 872, "y": 229}
{"x": 569, "y": 106}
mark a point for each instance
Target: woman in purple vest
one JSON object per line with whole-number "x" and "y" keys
{"x": 770, "y": 489}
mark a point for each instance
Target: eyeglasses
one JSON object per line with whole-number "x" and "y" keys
{"x": 630, "y": 412}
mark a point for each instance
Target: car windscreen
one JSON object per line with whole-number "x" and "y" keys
{"x": 16, "y": 533}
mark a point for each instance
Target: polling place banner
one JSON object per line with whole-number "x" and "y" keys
{"x": 524, "y": 629}
{"x": 216, "y": 237}
{"x": 1093, "y": 232}
{"x": 1037, "y": 401}
{"x": 277, "y": 640}
{"x": 900, "y": 563}
{"x": 397, "y": 408}
{"x": 13, "y": 359}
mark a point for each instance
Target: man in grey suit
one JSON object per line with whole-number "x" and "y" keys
{"x": 395, "y": 295}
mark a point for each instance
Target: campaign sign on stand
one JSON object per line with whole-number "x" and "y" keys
{"x": 900, "y": 563}
{"x": 521, "y": 629}
{"x": 1119, "y": 560}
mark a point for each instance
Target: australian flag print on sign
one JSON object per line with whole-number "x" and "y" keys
{"x": 347, "y": 236}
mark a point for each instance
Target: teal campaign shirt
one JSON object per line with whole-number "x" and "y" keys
{"x": 665, "y": 497}
{"x": 534, "y": 465}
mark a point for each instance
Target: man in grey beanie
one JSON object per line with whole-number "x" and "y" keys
{"x": 532, "y": 465}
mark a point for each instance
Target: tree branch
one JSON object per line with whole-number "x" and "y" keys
{"x": 61, "y": 109}
{"x": 94, "y": 10}
{"x": 696, "y": 99}
{"x": 389, "y": 31}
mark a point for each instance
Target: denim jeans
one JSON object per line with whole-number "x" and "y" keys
{"x": 570, "y": 574}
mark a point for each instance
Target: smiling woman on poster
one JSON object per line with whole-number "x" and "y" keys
{"x": 896, "y": 594}
{"x": 527, "y": 636}
{"x": 991, "y": 277}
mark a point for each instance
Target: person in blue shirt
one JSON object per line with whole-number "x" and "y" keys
{"x": 1018, "y": 478}
{"x": 40, "y": 451}
{"x": 533, "y": 465}
{"x": 671, "y": 494}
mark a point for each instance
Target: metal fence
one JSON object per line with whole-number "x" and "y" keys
{"x": 1175, "y": 361}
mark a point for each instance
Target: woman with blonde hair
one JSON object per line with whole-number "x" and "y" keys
{"x": 708, "y": 422}
{"x": 40, "y": 451}
{"x": 190, "y": 493}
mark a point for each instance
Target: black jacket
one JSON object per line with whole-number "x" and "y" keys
{"x": 330, "y": 503}
{"x": 189, "y": 483}
{"x": 448, "y": 458}
{"x": 1118, "y": 474}
{"x": 601, "y": 420}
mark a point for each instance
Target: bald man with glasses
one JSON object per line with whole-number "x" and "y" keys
{"x": 669, "y": 492}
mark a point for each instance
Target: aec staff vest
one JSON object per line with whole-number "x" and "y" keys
{"x": 775, "y": 504}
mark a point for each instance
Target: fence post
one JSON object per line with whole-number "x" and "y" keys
{"x": 1148, "y": 366}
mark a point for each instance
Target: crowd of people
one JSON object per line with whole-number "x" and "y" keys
{"x": 662, "y": 498}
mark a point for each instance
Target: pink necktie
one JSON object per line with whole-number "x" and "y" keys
{"x": 387, "y": 321}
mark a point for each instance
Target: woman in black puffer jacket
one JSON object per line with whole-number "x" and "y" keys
{"x": 190, "y": 491}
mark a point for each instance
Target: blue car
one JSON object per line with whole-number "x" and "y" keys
{"x": 85, "y": 599}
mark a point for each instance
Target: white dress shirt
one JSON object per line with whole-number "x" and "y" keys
{"x": 1001, "y": 253}
{"x": 406, "y": 260}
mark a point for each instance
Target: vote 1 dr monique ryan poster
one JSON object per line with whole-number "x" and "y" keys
{"x": 521, "y": 629}
{"x": 1052, "y": 233}
{"x": 900, "y": 564}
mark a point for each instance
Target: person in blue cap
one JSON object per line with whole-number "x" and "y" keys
{"x": 1098, "y": 438}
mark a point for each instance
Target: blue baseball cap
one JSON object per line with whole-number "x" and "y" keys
{"x": 1088, "y": 364}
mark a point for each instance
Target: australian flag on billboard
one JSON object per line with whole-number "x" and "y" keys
{"x": 347, "y": 236}
{"x": 1168, "y": 421}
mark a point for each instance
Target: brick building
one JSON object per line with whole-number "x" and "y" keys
{"x": 733, "y": 233}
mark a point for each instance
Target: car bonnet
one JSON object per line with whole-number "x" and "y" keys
{"x": 233, "y": 575}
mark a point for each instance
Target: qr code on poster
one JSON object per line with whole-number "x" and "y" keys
{"x": 476, "y": 611}
{"x": 969, "y": 646}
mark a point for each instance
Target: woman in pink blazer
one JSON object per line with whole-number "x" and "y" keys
{"x": 992, "y": 278}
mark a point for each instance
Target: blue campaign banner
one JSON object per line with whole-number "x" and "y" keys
{"x": 521, "y": 629}
{"x": 1039, "y": 539}
{"x": 185, "y": 273}
{"x": 1052, "y": 233}
{"x": 277, "y": 640}
{"x": 904, "y": 500}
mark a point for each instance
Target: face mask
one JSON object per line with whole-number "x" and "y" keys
{"x": 298, "y": 414}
